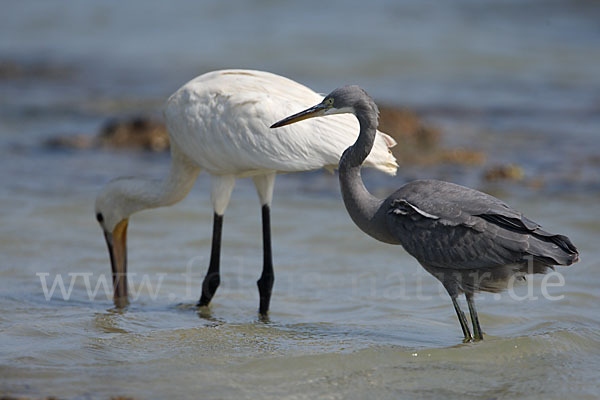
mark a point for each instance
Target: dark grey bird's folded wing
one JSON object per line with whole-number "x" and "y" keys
{"x": 450, "y": 226}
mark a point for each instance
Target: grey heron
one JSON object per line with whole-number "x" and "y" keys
{"x": 467, "y": 239}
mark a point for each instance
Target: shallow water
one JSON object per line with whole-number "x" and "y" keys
{"x": 350, "y": 317}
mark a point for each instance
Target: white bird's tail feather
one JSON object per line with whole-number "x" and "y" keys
{"x": 381, "y": 156}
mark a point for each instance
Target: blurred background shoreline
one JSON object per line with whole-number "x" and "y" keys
{"x": 517, "y": 81}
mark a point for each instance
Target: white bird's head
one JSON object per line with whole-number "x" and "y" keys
{"x": 347, "y": 99}
{"x": 114, "y": 205}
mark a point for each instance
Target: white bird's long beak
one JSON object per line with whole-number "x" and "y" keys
{"x": 315, "y": 111}
{"x": 117, "y": 249}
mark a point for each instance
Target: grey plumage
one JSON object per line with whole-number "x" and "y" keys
{"x": 467, "y": 239}
{"x": 460, "y": 234}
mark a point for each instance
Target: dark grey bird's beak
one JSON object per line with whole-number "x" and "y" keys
{"x": 116, "y": 241}
{"x": 315, "y": 111}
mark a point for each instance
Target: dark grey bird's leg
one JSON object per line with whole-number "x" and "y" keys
{"x": 477, "y": 333}
{"x": 463, "y": 320}
{"x": 213, "y": 277}
{"x": 265, "y": 283}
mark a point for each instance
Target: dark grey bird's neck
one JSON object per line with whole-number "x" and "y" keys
{"x": 365, "y": 209}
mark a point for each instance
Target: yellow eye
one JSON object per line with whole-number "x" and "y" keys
{"x": 329, "y": 101}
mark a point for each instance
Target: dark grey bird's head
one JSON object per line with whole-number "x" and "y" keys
{"x": 347, "y": 99}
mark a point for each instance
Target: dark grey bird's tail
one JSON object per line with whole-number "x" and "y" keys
{"x": 546, "y": 248}
{"x": 553, "y": 249}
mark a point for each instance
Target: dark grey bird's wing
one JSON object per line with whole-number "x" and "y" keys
{"x": 451, "y": 226}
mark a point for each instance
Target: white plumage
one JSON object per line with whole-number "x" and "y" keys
{"x": 219, "y": 122}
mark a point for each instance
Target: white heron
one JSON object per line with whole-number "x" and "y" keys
{"x": 219, "y": 123}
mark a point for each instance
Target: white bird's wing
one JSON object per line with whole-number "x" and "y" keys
{"x": 221, "y": 120}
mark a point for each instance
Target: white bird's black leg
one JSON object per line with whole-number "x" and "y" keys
{"x": 213, "y": 277}
{"x": 220, "y": 194}
{"x": 463, "y": 320}
{"x": 477, "y": 333}
{"x": 264, "y": 188}
{"x": 265, "y": 283}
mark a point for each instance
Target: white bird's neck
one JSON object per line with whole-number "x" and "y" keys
{"x": 139, "y": 193}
